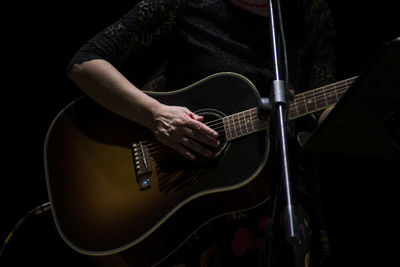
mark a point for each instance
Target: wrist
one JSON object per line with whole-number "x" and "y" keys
{"x": 155, "y": 109}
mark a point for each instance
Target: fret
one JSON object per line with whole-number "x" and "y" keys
{"x": 249, "y": 120}
{"x": 232, "y": 126}
{"x": 246, "y": 122}
{"x": 338, "y": 86}
{"x": 293, "y": 109}
{"x": 239, "y": 124}
{"x": 319, "y": 98}
{"x": 300, "y": 101}
{"x": 227, "y": 128}
{"x": 309, "y": 100}
{"x": 297, "y": 106}
{"x": 254, "y": 118}
{"x": 243, "y": 118}
{"x": 324, "y": 92}
{"x": 331, "y": 95}
{"x": 260, "y": 124}
{"x": 304, "y": 103}
{"x": 335, "y": 90}
{"x": 297, "y": 109}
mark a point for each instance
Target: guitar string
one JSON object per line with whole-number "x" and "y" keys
{"x": 162, "y": 151}
{"x": 303, "y": 105}
{"x": 316, "y": 98}
{"x": 319, "y": 95}
{"x": 165, "y": 152}
{"x": 328, "y": 88}
{"x": 342, "y": 84}
{"x": 151, "y": 145}
{"x": 218, "y": 126}
{"x": 219, "y": 122}
{"x": 300, "y": 109}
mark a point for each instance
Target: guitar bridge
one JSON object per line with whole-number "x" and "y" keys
{"x": 142, "y": 163}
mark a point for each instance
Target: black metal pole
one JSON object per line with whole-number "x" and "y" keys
{"x": 279, "y": 105}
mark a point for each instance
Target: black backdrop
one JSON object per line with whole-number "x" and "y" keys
{"x": 38, "y": 39}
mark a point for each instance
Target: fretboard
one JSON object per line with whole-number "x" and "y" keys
{"x": 247, "y": 122}
{"x": 319, "y": 98}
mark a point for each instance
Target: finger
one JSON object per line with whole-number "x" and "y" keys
{"x": 196, "y": 147}
{"x": 196, "y": 117}
{"x": 203, "y": 138}
{"x": 184, "y": 151}
{"x": 203, "y": 129}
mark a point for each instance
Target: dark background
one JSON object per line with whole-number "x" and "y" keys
{"x": 38, "y": 40}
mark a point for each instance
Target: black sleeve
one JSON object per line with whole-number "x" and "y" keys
{"x": 133, "y": 35}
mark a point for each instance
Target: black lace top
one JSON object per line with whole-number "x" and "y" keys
{"x": 195, "y": 38}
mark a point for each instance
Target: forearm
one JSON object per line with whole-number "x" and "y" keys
{"x": 107, "y": 86}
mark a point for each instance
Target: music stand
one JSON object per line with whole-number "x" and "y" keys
{"x": 366, "y": 120}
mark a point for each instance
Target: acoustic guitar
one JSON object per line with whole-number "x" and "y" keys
{"x": 113, "y": 188}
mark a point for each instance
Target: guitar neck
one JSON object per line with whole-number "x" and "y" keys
{"x": 318, "y": 99}
{"x": 247, "y": 122}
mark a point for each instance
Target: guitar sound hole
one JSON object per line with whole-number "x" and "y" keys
{"x": 214, "y": 119}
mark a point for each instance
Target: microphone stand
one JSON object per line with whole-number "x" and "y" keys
{"x": 274, "y": 109}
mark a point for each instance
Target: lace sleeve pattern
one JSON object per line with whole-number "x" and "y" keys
{"x": 148, "y": 22}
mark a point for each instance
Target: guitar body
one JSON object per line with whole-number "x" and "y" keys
{"x": 99, "y": 207}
